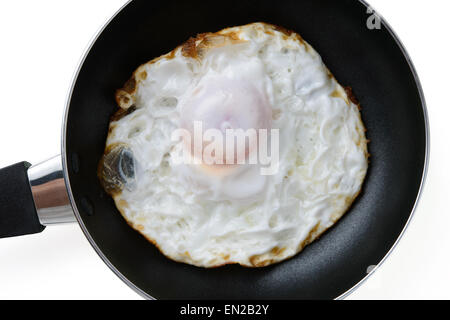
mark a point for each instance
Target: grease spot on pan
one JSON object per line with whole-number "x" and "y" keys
{"x": 371, "y": 268}
{"x": 75, "y": 162}
{"x": 86, "y": 206}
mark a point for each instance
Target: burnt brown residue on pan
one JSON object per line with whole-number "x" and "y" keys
{"x": 351, "y": 96}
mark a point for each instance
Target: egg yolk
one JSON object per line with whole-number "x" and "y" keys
{"x": 226, "y": 105}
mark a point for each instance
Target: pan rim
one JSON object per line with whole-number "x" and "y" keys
{"x": 427, "y": 152}
{"x": 144, "y": 294}
{"x": 65, "y": 160}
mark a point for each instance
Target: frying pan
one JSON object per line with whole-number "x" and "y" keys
{"x": 369, "y": 59}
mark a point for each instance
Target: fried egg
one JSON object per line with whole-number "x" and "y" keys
{"x": 256, "y": 76}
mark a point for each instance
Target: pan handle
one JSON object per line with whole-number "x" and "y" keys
{"x": 33, "y": 197}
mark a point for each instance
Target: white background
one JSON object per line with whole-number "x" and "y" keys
{"x": 41, "y": 43}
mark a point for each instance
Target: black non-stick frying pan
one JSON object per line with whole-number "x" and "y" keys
{"x": 370, "y": 60}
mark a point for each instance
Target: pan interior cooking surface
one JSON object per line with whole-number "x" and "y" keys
{"x": 369, "y": 61}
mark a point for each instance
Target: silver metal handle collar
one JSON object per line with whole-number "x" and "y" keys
{"x": 50, "y": 193}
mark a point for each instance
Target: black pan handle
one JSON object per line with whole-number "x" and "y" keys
{"x": 18, "y": 215}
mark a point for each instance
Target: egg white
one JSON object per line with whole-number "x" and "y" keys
{"x": 244, "y": 218}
